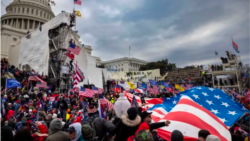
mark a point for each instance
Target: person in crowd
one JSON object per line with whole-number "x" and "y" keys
{"x": 23, "y": 135}
{"x": 202, "y": 135}
{"x": 176, "y": 135}
{"x": 6, "y": 134}
{"x": 237, "y": 135}
{"x": 212, "y": 138}
{"x": 62, "y": 106}
{"x": 75, "y": 132}
{"x": 127, "y": 124}
{"x": 147, "y": 119}
{"x": 93, "y": 113}
{"x": 55, "y": 131}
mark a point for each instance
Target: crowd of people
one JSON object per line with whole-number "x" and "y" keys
{"x": 35, "y": 114}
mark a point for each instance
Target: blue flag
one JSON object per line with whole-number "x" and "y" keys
{"x": 11, "y": 83}
{"x": 152, "y": 82}
{"x": 219, "y": 103}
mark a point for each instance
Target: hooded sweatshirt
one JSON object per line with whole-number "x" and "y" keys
{"x": 78, "y": 129}
{"x": 55, "y": 131}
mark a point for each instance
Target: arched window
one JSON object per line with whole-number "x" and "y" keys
{"x": 19, "y": 10}
{"x": 28, "y": 10}
{"x": 23, "y": 10}
{"x": 44, "y": 15}
{"x": 41, "y": 14}
{"x": 15, "y": 10}
{"x": 36, "y": 12}
{"x": 32, "y": 11}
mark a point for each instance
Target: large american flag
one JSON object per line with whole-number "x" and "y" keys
{"x": 104, "y": 101}
{"x": 78, "y": 75}
{"x": 210, "y": 109}
{"x": 189, "y": 118}
{"x": 86, "y": 92}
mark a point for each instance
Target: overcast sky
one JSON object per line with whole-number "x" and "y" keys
{"x": 184, "y": 31}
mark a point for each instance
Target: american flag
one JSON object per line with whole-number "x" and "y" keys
{"x": 74, "y": 49}
{"x": 78, "y": 75}
{"x": 98, "y": 90}
{"x": 77, "y": 2}
{"x": 155, "y": 89}
{"x": 209, "y": 100}
{"x": 104, "y": 101}
{"x": 189, "y": 117}
{"x": 87, "y": 92}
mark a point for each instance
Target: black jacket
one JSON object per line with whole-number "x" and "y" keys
{"x": 92, "y": 117}
{"x": 126, "y": 127}
{"x": 157, "y": 125}
{"x": 102, "y": 126}
{"x": 62, "y": 105}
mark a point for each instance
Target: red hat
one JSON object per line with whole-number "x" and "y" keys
{"x": 74, "y": 106}
{"x": 79, "y": 113}
{"x": 78, "y": 119}
{"x": 52, "y": 112}
{"x": 34, "y": 111}
{"x": 23, "y": 107}
{"x": 17, "y": 101}
{"x": 70, "y": 116}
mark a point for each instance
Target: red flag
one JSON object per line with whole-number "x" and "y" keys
{"x": 70, "y": 55}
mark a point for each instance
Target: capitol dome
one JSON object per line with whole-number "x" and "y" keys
{"x": 22, "y": 16}
{"x": 27, "y": 14}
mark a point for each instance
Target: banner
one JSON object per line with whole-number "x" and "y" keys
{"x": 11, "y": 83}
{"x": 65, "y": 69}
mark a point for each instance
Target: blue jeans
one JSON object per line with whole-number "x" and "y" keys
{"x": 63, "y": 114}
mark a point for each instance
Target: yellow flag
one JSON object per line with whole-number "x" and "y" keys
{"x": 182, "y": 89}
{"x": 77, "y": 13}
{"x": 177, "y": 86}
{"x": 162, "y": 87}
{"x": 132, "y": 86}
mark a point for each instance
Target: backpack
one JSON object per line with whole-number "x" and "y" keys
{"x": 88, "y": 132}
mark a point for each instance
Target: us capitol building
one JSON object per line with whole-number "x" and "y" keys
{"x": 22, "y": 16}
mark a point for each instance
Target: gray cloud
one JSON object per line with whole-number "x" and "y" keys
{"x": 186, "y": 32}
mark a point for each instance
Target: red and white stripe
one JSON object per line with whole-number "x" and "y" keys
{"x": 106, "y": 102}
{"x": 87, "y": 93}
{"x": 189, "y": 118}
{"x": 155, "y": 89}
{"x": 100, "y": 90}
{"x": 150, "y": 102}
{"x": 78, "y": 75}
{"x": 139, "y": 91}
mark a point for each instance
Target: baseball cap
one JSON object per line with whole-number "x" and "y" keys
{"x": 144, "y": 114}
{"x": 71, "y": 129}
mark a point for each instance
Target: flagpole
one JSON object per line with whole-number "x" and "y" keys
{"x": 5, "y": 86}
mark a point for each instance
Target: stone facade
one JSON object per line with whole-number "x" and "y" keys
{"x": 22, "y": 16}
{"x": 124, "y": 64}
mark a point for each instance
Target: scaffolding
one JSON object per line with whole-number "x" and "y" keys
{"x": 58, "y": 44}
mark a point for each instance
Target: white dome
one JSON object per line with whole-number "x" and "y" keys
{"x": 27, "y": 14}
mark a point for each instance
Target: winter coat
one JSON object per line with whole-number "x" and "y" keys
{"x": 92, "y": 117}
{"x": 55, "y": 133}
{"x": 126, "y": 127}
{"x": 102, "y": 126}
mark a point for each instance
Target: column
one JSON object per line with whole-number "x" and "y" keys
{"x": 34, "y": 24}
{"x": 28, "y": 24}
{"x": 17, "y": 23}
{"x": 11, "y": 22}
{"x": 39, "y": 24}
{"x": 22, "y": 26}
